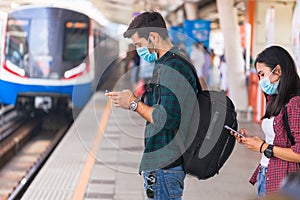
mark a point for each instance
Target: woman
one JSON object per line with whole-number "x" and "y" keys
{"x": 280, "y": 82}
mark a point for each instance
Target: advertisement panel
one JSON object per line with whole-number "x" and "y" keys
{"x": 198, "y": 30}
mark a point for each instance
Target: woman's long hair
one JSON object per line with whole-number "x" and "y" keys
{"x": 289, "y": 82}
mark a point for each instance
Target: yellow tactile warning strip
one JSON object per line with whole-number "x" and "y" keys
{"x": 90, "y": 161}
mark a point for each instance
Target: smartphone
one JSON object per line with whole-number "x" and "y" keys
{"x": 106, "y": 91}
{"x": 231, "y": 129}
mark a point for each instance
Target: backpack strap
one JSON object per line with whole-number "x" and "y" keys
{"x": 150, "y": 85}
{"x": 191, "y": 66}
{"x": 287, "y": 126}
{"x": 155, "y": 79}
{"x": 286, "y": 123}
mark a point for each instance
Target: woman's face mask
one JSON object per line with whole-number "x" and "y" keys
{"x": 268, "y": 87}
{"x": 144, "y": 53}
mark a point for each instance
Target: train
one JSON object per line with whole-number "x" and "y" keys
{"x": 53, "y": 58}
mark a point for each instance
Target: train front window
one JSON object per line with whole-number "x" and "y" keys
{"x": 76, "y": 41}
{"x": 16, "y": 51}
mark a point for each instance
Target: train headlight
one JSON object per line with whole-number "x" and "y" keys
{"x": 75, "y": 71}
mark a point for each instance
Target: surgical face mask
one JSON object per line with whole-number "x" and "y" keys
{"x": 144, "y": 53}
{"x": 268, "y": 87}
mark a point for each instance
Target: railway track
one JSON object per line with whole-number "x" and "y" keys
{"x": 25, "y": 147}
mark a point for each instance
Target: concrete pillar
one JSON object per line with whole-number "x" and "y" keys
{"x": 233, "y": 53}
{"x": 191, "y": 10}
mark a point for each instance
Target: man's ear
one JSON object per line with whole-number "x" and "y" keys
{"x": 154, "y": 37}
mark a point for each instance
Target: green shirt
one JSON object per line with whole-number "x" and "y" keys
{"x": 178, "y": 88}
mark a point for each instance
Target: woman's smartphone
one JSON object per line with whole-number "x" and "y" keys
{"x": 236, "y": 132}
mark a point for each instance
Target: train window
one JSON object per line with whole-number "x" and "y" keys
{"x": 76, "y": 41}
{"x": 17, "y": 41}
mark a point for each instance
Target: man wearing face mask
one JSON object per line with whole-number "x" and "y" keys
{"x": 168, "y": 107}
{"x": 280, "y": 149}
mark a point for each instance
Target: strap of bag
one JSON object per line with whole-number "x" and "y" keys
{"x": 287, "y": 126}
{"x": 150, "y": 86}
{"x": 174, "y": 55}
{"x": 191, "y": 66}
{"x": 157, "y": 76}
{"x": 155, "y": 80}
{"x": 199, "y": 88}
{"x": 286, "y": 123}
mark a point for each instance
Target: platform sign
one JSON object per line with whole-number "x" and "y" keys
{"x": 296, "y": 34}
{"x": 177, "y": 34}
{"x": 198, "y": 30}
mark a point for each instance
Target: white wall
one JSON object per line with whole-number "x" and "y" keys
{"x": 283, "y": 22}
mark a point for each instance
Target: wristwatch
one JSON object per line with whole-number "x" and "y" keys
{"x": 269, "y": 151}
{"x": 134, "y": 104}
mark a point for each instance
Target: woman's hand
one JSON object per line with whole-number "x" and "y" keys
{"x": 252, "y": 143}
{"x": 238, "y": 137}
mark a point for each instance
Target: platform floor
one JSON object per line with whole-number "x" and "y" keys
{"x": 100, "y": 155}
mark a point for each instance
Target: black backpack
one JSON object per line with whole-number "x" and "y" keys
{"x": 213, "y": 144}
{"x": 207, "y": 151}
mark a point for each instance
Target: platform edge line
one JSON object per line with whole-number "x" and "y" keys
{"x": 90, "y": 161}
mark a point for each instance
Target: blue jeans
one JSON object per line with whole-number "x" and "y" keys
{"x": 261, "y": 182}
{"x": 168, "y": 183}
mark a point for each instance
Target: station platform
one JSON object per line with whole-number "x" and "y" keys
{"x": 99, "y": 159}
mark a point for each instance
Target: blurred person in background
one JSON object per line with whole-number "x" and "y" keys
{"x": 144, "y": 76}
{"x": 214, "y": 73}
{"x": 146, "y": 70}
{"x": 182, "y": 49}
{"x": 207, "y": 63}
{"x": 197, "y": 57}
{"x": 290, "y": 186}
{"x": 289, "y": 189}
{"x": 133, "y": 65}
{"x": 223, "y": 74}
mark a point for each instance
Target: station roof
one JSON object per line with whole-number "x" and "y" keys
{"x": 118, "y": 11}
{"x": 121, "y": 12}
